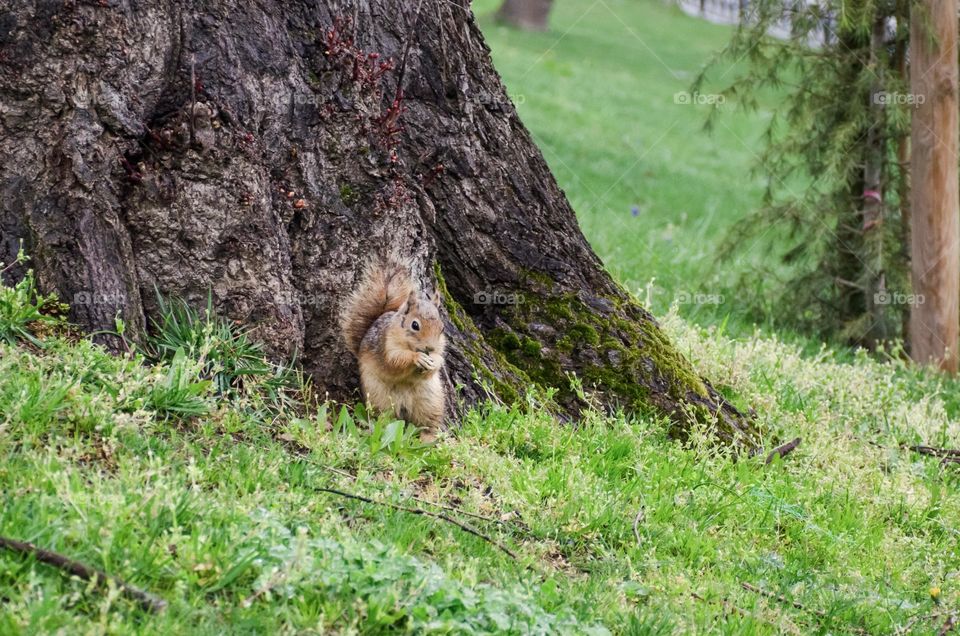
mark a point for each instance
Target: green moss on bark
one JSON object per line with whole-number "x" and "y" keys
{"x": 615, "y": 347}
{"x": 620, "y": 353}
{"x": 502, "y": 377}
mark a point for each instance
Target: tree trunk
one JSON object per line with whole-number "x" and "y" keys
{"x": 874, "y": 202}
{"x": 531, "y": 15}
{"x": 903, "y": 163}
{"x": 935, "y": 252}
{"x": 306, "y": 158}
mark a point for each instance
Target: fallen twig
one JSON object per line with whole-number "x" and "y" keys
{"x": 913, "y": 620}
{"x": 781, "y": 598}
{"x": 723, "y": 602}
{"x": 303, "y": 452}
{"x": 783, "y": 451}
{"x": 948, "y": 625}
{"x": 146, "y": 600}
{"x": 636, "y": 526}
{"x": 945, "y": 454}
{"x": 420, "y": 511}
{"x": 461, "y": 511}
{"x": 795, "y": 604}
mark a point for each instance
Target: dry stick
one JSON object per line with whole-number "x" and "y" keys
{"x": 723, "y": 602}
{"x": 146, "y": 600}
{"x": 933, "y": 450}
{"x": 906, "y": 627}
{"x": 10, "y": 266}
{"x": 420, "y": 511}
{"x": 302, "y": 451}
{"x": 741, "y": 612}
{"x": 946, "y": 454}
{"x": 636, "y": 526}
{"x": 467, "y": 513}
{"x": 437, "y": 504}
{"x": 783, "y": 451}
{"x": 795, "y": 604}
{"x": 782, "y": 599}
{"x": 948, "y": 625}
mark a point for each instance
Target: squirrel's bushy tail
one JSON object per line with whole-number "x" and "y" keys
{"x": 384, "y": 286}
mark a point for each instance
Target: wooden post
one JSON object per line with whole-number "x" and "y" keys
{"x": 935, "y": 316}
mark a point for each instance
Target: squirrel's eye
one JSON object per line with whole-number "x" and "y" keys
{"x": 415, "y": 325}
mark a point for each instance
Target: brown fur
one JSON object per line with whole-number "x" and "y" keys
{"x": 399, "y": 366}
{"x": 384, "y": 286}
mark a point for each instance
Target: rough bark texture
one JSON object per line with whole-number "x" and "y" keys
{"x": 935, "y": 235}
{"x": 289, "y": 158}
{"x": 874, "y": 206}
{"x": 525, "y": 14}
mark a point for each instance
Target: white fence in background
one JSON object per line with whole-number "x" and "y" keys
{"x": 732, "y": 11}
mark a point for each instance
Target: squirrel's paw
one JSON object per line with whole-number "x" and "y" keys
{"x": 426, "y": 362}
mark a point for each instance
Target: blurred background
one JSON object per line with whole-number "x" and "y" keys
{"x": 717, "y": 153}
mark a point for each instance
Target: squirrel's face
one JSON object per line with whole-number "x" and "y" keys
{"x": 420, "y": 324}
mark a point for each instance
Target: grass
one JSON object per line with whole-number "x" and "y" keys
{"x": 617, "y": 528}
{"x": 655, "y": 194}
{"x": 195, "y": 471}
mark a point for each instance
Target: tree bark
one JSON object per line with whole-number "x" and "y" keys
{"x": 935, "y": 250}
{"x": 313, "y": 135}
{"x": 874, "y": 202}
{"x": 901, "y": 68}
{"x": 531, "y": 15}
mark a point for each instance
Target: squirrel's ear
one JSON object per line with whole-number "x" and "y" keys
{"x": 435, "y": 297}
{"x": 409, "y": 303}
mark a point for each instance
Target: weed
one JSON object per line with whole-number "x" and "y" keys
{"x": 235, "y": 364}
{"x": 24, "y": 312}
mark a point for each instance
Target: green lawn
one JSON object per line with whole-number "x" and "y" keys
{"x": 211, "y": 502}
{"x": 654, "y": 192}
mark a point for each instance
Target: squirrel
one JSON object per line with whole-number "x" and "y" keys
{"x": 396, "y": 333}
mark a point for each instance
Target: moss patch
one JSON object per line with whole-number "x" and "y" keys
{"x": 615, "y": 347}
{"x": 502, "y": 377}
{"x": 348, "y": 194}
{"x": 530, "y": 347}
{"x": 621, "y": 354}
